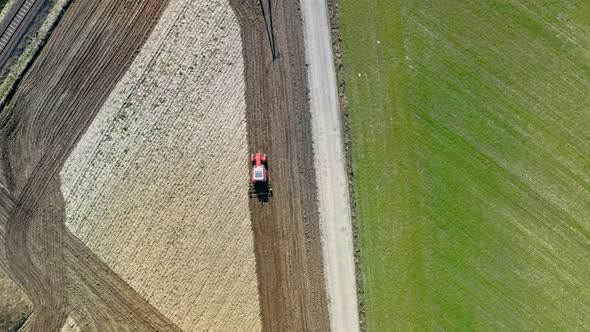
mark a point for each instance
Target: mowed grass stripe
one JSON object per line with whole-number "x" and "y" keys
{"x": 471, "y": 156}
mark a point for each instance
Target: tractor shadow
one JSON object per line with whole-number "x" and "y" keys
{"x": 261, "y": 191}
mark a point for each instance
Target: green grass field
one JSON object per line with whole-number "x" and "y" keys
{"x": 471, "y": 155}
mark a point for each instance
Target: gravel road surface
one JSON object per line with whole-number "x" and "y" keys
{"x": 330, "y": 165}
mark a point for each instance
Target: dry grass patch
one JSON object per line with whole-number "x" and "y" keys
{"x": 15, "y": 307}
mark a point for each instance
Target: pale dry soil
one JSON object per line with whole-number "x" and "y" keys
{"x": 156, "y": 187}
{"x": 71, "y": 326}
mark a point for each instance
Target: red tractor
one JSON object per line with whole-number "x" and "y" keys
{"x": 259, "y": 184}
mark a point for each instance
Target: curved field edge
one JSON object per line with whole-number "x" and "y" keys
{"x": 470, "y": 155}
{"x": 156, "y": 186}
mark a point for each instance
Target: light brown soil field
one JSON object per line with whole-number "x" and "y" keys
{"x": 55, "y": 103}
{"x": 286, "y": 229}
{"x": 168, "y": 151}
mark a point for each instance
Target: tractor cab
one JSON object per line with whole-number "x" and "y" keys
{"x": 258, "y": 174}
{"x": 258, "y": 168}
{"x": 259, "y": 183}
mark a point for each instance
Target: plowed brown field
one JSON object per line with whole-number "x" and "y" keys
{"x": 56, "y": 101}
{"x": 286, "y": 229}
{"x": 154, "y": 218}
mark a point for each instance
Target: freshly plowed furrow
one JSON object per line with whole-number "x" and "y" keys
{"x": 46, "y": 234}
{"x": 54, "y": 105}
{"x": 286, "y": 230}
{"x": 6, "y": 206}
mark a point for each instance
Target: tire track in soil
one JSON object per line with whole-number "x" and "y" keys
{"x": 286, "y": 229}
{"x": 56, "y": 101}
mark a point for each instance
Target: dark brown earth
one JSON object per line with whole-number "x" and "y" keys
{"x": 56, "y": 101}
{"x": 286, "y": 228}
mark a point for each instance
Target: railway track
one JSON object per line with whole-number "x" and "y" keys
{"x": 11, "y": 26}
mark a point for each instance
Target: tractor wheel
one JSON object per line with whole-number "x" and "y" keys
{"x": 252, "y": 158}
{"x": 264, "y": 158}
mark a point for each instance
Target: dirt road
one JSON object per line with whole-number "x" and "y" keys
{"x": 286, "y": 229}
{"x": 330, "y": 165}
{"x": 56, "y": 101}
